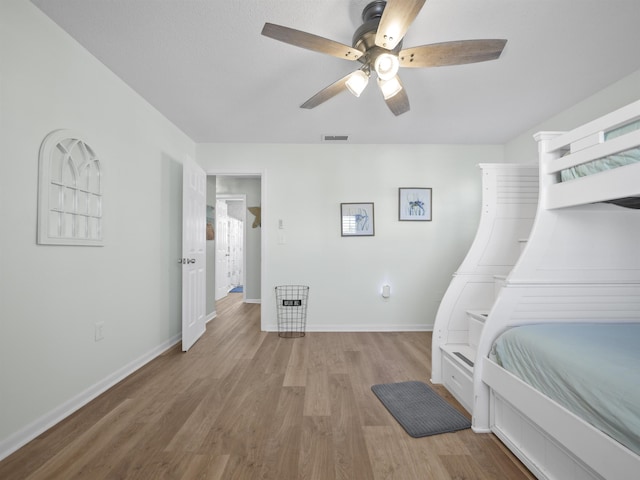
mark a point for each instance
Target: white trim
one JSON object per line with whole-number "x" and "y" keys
{"x": 362, "y": 328}
{"x": 62, "y": 411}
{"x": 210, "y": 317}
{"x": 252, "y": 300}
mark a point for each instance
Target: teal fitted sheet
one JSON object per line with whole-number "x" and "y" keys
{"x": 593, "y": 370}
{"x": 606, "y": 163}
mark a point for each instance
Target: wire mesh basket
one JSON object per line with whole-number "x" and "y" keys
{"x": 291, "y": 304}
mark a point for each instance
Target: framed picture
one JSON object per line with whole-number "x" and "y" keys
{"x": 414, "y": 204}
{"x": 356, "y": 219}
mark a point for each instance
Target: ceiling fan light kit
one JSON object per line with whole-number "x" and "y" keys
{"x": 389, "y": 88}
{"x": 377, "y": 44}
{"x": 357, "y": 82}
{"x": 386, "y": 66}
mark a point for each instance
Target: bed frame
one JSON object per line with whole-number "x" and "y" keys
{"x": 509, "y": 203}
{"x": 581, "y": 263}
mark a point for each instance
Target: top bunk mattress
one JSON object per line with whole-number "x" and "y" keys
{"x": 609, "y": 162}
{"x": 593, "y": 370}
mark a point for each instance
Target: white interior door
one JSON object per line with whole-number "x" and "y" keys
{"x": 236, "y": 250}
{"x": 194, "y": 224}
{"x": 223, "y": 283}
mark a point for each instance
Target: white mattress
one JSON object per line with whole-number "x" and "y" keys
{"x": 593, "y": 370}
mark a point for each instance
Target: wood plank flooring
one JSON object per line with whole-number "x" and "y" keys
{"x": 245, "y": 404}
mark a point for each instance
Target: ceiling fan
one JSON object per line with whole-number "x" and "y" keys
{"x": 377, "y": 45}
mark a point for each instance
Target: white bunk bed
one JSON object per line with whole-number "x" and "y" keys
{"x": 581, "y": 266}
{"x": 509, "y": 202}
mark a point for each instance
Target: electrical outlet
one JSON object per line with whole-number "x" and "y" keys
{"x": 99, "y": 331}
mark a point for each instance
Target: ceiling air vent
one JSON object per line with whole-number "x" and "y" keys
{"x": 335, "y": 138}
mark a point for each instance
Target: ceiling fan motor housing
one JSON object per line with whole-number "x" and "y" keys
{"x": 365, "y": 36}
{"x": 373, "y": 10}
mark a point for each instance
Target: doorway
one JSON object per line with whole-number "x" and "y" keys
{"x": 247, "y": 271}
{"x": 230, "y": 261}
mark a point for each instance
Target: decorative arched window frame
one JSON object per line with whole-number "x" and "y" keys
{"x": 70, "y": 191}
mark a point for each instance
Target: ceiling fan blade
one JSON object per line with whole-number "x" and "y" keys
{"x": 310, "y": 41}
{"x": 451, "y": 53}
{"x": 396, "y": 19}
{"x": 399, "y": 103}
{"x": 327, "y": 93}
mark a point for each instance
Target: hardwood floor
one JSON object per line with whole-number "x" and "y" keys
{"x": 245, "y": 404}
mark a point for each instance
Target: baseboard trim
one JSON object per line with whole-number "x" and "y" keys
{"x": 361, "y": 328}
{"x": 48, "y": 420}
{"x": 211, "y": 316}
{"x": 252, "y": 300}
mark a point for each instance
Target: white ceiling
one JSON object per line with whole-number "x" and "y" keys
{"x": 205, "y": 66}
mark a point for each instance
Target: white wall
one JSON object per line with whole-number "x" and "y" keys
{"x": 523, "y": 149}
{"x": 304, "y": 185}
{"x": 51, "y": 296}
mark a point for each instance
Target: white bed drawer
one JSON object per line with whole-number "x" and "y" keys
{"x": 458, "y": 382}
